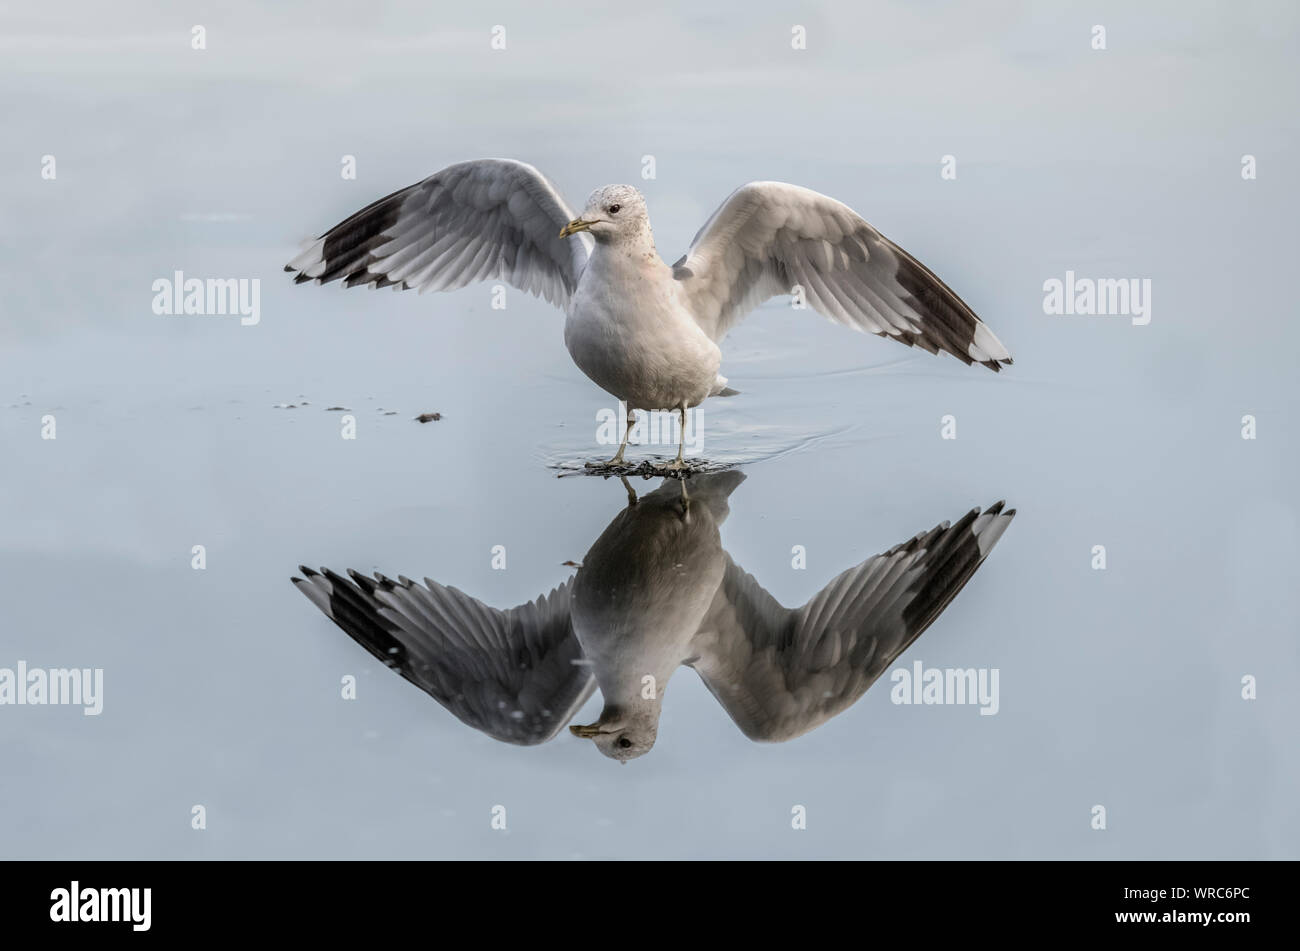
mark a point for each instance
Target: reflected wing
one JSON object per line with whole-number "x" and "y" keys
{"x": 515, "y": 675}
{"x": 768, "y": 237}
{"x": 489, "y": 219}
{"x": 779, "y": 673}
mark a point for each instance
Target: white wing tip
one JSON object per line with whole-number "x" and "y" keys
{"x": 311, "y": 258}
{"x": 984, "y": 346}
{"x": 989, "y": 526}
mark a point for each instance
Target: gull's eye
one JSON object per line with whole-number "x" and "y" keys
{"x": 613, "y": 210}
{"x": 623, "y": 741}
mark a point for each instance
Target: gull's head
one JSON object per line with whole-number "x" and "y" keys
{"x": 621, "y": 734}
{"x": 613, "y": 213}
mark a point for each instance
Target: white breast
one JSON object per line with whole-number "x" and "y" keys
{"x": 628, "y": 331}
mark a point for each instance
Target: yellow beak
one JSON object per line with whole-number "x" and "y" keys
{"x": 574, "y": 226}
{"x": 587, "y": 732}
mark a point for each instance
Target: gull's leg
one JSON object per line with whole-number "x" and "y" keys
{"x": 617, "y": 459}
{"x": 685, "y": 500}
{"x": 679, "y": 463}
{"x": 631, "y": 492}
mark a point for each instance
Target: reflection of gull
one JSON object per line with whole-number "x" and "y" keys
{"x": 656, "y": 592}
{"x": 643, "y": 331}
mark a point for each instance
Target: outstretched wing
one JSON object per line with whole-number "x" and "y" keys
{"x": 515, "y": 675}
{"x": 779, "y": 673}
{"x": 489, "y": 219}
{"x": 768, "y": 237}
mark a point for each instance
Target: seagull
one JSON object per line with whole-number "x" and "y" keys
{"x": 646, "y": 332}
{"x": 657, "y": 592}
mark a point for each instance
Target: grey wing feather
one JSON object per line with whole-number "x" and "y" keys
{"x": 768, "y": 237}
{"x": 517, "y": 675}
{"x": 779, "y": 672}
{"x": 487, "y": 219}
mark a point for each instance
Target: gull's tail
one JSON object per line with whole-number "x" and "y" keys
{"x": 720, "y": 388}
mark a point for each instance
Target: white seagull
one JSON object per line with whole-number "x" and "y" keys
{"x": 644, "y": 331}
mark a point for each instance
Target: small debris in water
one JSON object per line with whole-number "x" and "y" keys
{"x": 429, "y": 417}
{"x": 337, "y": 409}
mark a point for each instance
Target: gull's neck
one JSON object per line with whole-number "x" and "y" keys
{"x": 633, "y": 709}
{"x": 637, "y": 249}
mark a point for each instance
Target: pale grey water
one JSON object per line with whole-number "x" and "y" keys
{"x": 1119, "y": 688}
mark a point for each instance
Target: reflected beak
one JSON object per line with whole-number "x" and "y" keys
{"x": 586, "y": 732}
{"x": 574, "y": 226}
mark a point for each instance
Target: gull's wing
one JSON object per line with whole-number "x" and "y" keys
{"x": 768, "y": 237}
{"x": 516, "y": 675}
{"x": 489, "y": 219}
{"x": 779, "y": 672}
